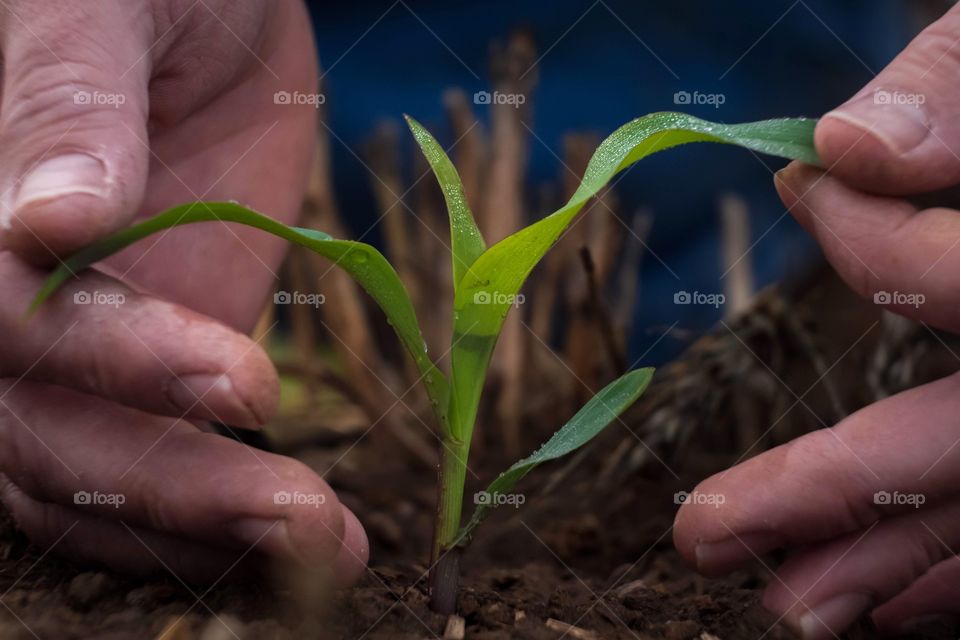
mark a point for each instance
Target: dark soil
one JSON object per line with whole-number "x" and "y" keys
{"x": 577, "y": 577}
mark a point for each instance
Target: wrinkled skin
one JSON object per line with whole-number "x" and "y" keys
{"x": 853, "y": 554}
{"x": 109, "y": 399}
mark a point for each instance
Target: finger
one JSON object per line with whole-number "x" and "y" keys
{"x": 931, "y": 599}
{"x": 95, "y": 541}
{"x": 883, "y": 248}
{"x": 72, "y": 449}
{"x": 829, "y": 482}
{"x": 351, "y": 561}
{"x": 74, "y": 108}
{"x": 822, "y": 590}
{"x": 98, "y": 336}
{"x": 901, "y": 134}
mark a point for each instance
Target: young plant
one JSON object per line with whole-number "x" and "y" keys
{"x": 486, "y": 280}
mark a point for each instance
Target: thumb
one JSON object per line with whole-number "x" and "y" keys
{"x": 73, "y": 122}
{"x": 900, "y": 134}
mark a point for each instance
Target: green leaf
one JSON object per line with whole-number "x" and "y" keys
{"x": 465, "y": 238}
{"x": 593, "y": 418}
{"x": 492, "y": 283}
{"x": 364, "y": 263}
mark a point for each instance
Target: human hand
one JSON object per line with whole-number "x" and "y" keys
{"x": 114, "y": 110}
{"x": 854, "y": 552}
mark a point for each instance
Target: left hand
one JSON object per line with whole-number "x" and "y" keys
{"x": 114, "y": 110}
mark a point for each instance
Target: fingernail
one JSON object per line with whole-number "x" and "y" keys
{"x": 833, "y": 616}
{"x": 780, "y": 183}
{"x": 269, "y": 535}
{"x": 211, "y": 396}
{"x": 780, "y": 177}
{"x": 71, "y": 174}
{"x": 727, "y": 554}
{"x": 898, "y": 119}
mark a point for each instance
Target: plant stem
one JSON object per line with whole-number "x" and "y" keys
{"x": 445, "y": 559}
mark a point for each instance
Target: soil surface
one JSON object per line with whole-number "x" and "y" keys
{"x": 561, "y": 570}
{"x": 578, "y": 577}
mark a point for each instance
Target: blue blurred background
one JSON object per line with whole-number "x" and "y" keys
{"x": 603, "y": 64}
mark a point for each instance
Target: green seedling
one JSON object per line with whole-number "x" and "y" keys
{"x": 486, "y": 281}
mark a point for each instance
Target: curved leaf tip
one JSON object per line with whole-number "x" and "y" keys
{"x": 466, "y": 241}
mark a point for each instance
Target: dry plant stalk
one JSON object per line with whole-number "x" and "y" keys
{"x": 383, "y": 157}
{"x": 501, "y": 213}
{"x": 470, "y": 147}
{"x": 577, "y": 349}
{"x": 302, "y": 329}
{"x": 346, "y": 320}
{"x": 382, "y": 154}
{"x": 738, "y": 266}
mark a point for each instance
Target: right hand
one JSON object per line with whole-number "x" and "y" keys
{"x": 828, "y": 495}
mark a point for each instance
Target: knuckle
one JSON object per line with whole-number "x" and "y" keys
{"x": 835, "y": 470}
{"x": 310, "y": 507}
{"x": 925, "y": 551}
{"x": 855, "y": 251}
{"x": 11, "y": 428}
{"x": 299, "y": 476}
{"x": 224, "y": 45}
{"x": 43, "y": 97}
{"x": 42, "y": 522}
{"x": 936, "y": 46}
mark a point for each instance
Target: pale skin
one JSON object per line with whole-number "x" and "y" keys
{"x": 108, "y": 399}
